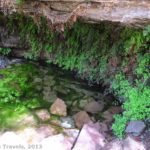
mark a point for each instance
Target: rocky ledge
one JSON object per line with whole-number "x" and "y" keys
{"x": 127, "y": 12}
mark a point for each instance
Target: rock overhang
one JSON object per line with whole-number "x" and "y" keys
{"x": 134, "y": 13}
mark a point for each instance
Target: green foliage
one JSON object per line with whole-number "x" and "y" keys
{"x": 15, "y": 84}
{"x": 119, "y": 125}
{"x": 5, "y": 51}
{"x": 137, "y": 95}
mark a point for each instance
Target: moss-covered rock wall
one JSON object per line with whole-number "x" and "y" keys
{"x": 115, "y": 56}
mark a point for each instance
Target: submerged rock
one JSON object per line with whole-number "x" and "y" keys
{"x": 48, "y": 80}
{"x": 59, "y": 108}
{"x": 81, "y": 118}
{"x": 49, "y": 95}
{"x": 108, "y": 117}
{"x": 37, "y": 80}
{"x": 85, "y": 101}
{"x": 94, "y": 107}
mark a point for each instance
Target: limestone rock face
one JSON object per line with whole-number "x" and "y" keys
{"x": 127, "y": 12}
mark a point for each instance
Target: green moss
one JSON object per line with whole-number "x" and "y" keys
{"x": 10, "y": 114}
{"x": 17, "y": 93}
{"x": 16, "y": 82}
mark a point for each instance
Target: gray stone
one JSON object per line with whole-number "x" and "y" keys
{"x": 61, "y": 89}
{"x": 67, "y": 122}
{"x": 86, "y": 100}
{"x": 135, "y": 127}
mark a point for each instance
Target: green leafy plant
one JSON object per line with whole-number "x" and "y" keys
{"x": 5, "y": 51}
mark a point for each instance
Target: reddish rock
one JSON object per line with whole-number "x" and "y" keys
{"x": 59, "y": 108}
{"x": 81, "y": 118}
